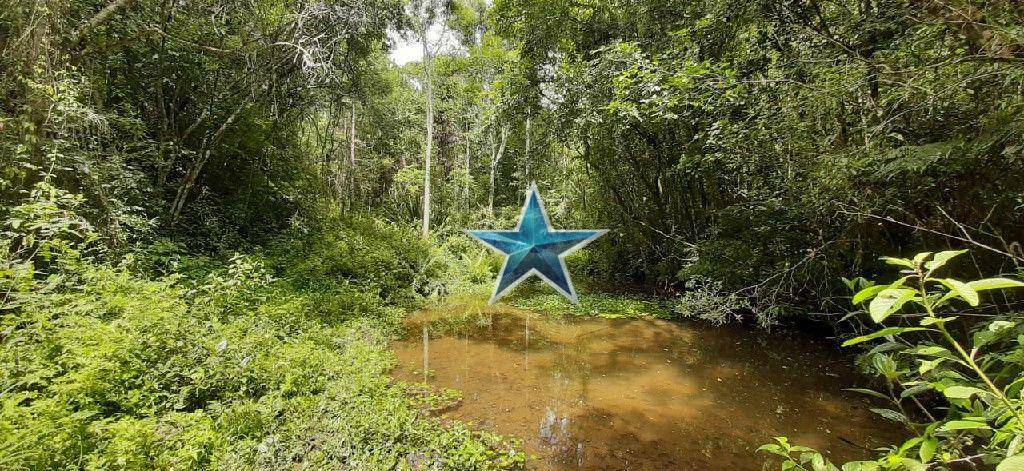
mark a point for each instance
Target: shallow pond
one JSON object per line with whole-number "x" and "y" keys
{"x": 594, "y": 393}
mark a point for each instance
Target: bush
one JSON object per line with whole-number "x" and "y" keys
{"x": 973, "y": 384}
{"x": 101, "y": 368}
{"x": 376, "y": 256}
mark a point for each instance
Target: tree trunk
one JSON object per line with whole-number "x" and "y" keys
{"x": 526, "y": 153}
{"x": 98, "y": 19}
{"x": 192, "y": 174}
{"x": 465, "y": 188}
{"x": 352, "y": 157}
{"x": 496, "y": 155}
{"x": 428, "y": 87}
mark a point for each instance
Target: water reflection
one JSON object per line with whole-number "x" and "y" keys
{"x": 639, "y": 394}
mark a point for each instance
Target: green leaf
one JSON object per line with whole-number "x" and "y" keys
{"x": 915, "y": 390}
{"x": 995, "y": 283}
{"x": 861, "y": 466}
{"x": 961, "y": 392}
{"x": 870, "y": 392}
{"x": 942, "y": 258}
{"x": 892, "y": 415}
{"x": 899, "y": 262}
{"x": 921, "y": 257}
{"x": 881, "y": 333}
{"x": 927, "y": 450}
{"x": 963, "y": 425}
{"x": 889, "y": 301}
{"x": 963, "y": 290}
{"x": 930, "y": 351}
{"x": 1012, "y": 463}
{"x": 928, "y": 365}
{"x": 867, "y": 293}
{"x": 936, "y": 320}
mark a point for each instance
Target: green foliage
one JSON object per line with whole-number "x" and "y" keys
{"x": 705, "y": 299}
{"x": 102, "y": 368}
{"x": 610, "y": 306}
{"x": 377, "y": 257}
{"x": 978, "y": 379}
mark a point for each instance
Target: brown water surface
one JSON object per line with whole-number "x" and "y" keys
{"x": 594, "y": 393}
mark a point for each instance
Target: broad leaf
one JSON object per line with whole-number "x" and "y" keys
{"x": 930, "y": 350}
{"x": 961, "y": 392}
{"x": 881, "y": 333}
{"x": 942, "y": 258}
{"x": 1013, "y": 463}
{"x": 899, "y": 262}
{"x": 928, "y": 365}
{"x": 995, "y": 283}
{"x": 927, "y": 450}
{"x": 963, "y": 290}
{"x": 915, "y": 390}
{"x": 892, "y": 415}
{"x": 921, "y": 257}
{"x": 867, "y": 293}
{"x": 889, "y": 301}
{"x": 963, "y": 425}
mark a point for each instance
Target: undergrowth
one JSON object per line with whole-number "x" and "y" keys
{"x": 233, "y": 366}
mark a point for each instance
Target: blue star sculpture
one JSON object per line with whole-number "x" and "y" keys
{"x": 534, "y": 248}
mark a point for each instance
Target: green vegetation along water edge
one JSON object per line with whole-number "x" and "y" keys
{"x": 215, "y": 215}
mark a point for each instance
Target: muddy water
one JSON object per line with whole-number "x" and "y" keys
{"x": 639, "y": 394}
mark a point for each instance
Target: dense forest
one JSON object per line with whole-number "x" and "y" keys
{"x": 217, "y": 213}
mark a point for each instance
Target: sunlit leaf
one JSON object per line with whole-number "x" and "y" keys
{"x": 921, "y": 257}
{"x": 942, "y": 258}
{"x": 937, "y": 320}
{"x": 881, "y": 333}
{"x": 963, "y": 425}
{"x": 899, "y": 262}
{"x": 995, "y": 283}
{"x": 1013, "y": 463}
{"x": 927, "y": 450}
{"x": 961, "y": 392}
{"x": 889, "y": 301}
{"x": 867, "y": 293}
{"x": 963, "y": 290}
{"x": 928, "y": 365}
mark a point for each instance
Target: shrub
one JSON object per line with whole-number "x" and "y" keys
{"x": 921, "y": 360}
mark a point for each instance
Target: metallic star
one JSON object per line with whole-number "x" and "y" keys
{"x": 534, "y": 248}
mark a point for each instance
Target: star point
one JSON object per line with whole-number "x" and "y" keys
{"x": 535, "y": 248}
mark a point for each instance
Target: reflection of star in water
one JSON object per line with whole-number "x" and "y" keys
{"x": 534, "y": 248}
